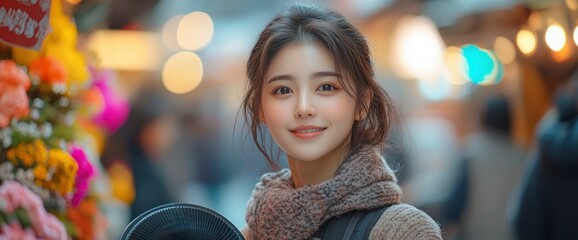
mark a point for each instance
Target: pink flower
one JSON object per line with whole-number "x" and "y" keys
{"x": 14, "y": 231}
{"x": 16, "y": 195}
{"x": 44, "y": 224}
{"x": 13, "y": 85}
{"x": 85, "y": 172}
{"x": 11, "y": 75}
{"x": 13, "y": 103}
{"x": 53, "y": 228}
{"x": 116, "y": 108}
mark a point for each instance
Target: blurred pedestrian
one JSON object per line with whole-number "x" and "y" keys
{"x": 494, "y": 163}
{"x": 547, "y": 205}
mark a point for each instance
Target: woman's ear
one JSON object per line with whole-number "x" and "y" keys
{"x": 262, "y": 118}
{"x": 363, "y": 111}
{"x": 361, "y": 114}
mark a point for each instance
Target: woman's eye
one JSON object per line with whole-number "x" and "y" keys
{"x": 326, "y": 87}
{"x": 283, "y": 90}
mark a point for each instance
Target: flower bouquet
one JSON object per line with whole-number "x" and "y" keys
{"x": 54, "y": 111}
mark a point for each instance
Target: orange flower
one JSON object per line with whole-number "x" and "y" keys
{"x": 49, "y": 70}
{"x": 86, "y": 218}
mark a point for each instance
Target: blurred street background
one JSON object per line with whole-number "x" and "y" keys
{"x": 488, "y": 88}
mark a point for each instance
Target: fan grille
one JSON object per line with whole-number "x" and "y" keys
{"x": 181, "y": 221}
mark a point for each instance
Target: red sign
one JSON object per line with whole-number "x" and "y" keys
{"x": 24, "y": 23}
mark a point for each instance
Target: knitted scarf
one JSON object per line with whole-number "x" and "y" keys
{"x": 277, "y": 210}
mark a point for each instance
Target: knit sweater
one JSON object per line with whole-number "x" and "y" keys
{"x": 277, "y": 210}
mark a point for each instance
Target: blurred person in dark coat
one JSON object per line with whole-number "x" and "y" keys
{"x": 494, "y": 164}
{"x": 547, "y": 207}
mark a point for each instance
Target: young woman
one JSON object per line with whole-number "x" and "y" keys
{"x": 311, "y": 86}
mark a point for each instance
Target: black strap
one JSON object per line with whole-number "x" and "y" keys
{"x": 356, "y": 224}
{"x": 337, "y": 227}
{"x": 358, "y": 215}
{"x": 365, "y": 227}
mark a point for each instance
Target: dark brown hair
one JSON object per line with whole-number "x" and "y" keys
{"x": 330, "y": 29}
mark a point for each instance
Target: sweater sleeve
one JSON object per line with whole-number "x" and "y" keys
{"x": 402, "y": 221}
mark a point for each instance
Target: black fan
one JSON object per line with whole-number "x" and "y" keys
{"x": 181, "y": 221}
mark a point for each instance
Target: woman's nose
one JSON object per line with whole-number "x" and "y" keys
{"x": 305, "y": 108}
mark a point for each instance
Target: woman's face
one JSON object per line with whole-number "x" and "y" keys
{"x": 307, "y": 111}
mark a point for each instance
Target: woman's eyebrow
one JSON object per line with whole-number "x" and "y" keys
{"x": 281, "y": 77}
{"x": 313, "y": 76}
{"x": 326, "y": 74}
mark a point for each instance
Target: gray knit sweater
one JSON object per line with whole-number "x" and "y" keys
{"x": 277, "y": 210}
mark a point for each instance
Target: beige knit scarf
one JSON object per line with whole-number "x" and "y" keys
{"x": 277, "y": 210}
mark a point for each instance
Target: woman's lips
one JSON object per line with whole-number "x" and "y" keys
{"x": 307, "y": 132}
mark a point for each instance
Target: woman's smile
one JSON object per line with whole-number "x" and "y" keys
{"x": 307, "y": 132}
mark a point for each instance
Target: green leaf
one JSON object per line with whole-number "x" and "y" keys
{"x": 69, "y": 225}
{"x": 23, "y": 217}
{"x": 3, "y": 218}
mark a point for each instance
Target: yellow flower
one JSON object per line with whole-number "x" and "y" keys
{"x": 61, "y": 45}
{"x": 26, "y": 56}
{"x": 66, "y": 187}
{"x": 23, "y": 154}
{"x": 53, "y": 185}
{"x": 40, "y": 173}
{"x": 122, "y": 183}
{"x": 65, "y": 174}
{"x": 28, "y": 154}
{"x": 40, "y": 151}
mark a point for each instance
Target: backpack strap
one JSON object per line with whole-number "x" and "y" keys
{"x": 356, "y": 224}
{"x": 337, "y": 227}
{"x": 353, "y": 222}
{"x": 366, "y": 225}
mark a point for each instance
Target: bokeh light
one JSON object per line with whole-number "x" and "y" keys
{"x": 526, "y": 41}
{"x": 169, "y": 32}
{"x": 575, "y": 35}
{"x": 182, "y": 72}
{"x": 535, "y": 21}
{"x": 195, "y": 30}
{"x": 455, "y": 68}
{"x": 555, "y": 37}
{"x": 125, "y": 50}
{"x": 482, "y": 64}
{"x": 417, "y": 49}
{"x": 505, "y": 50}
{"x": 497, "y": 73}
